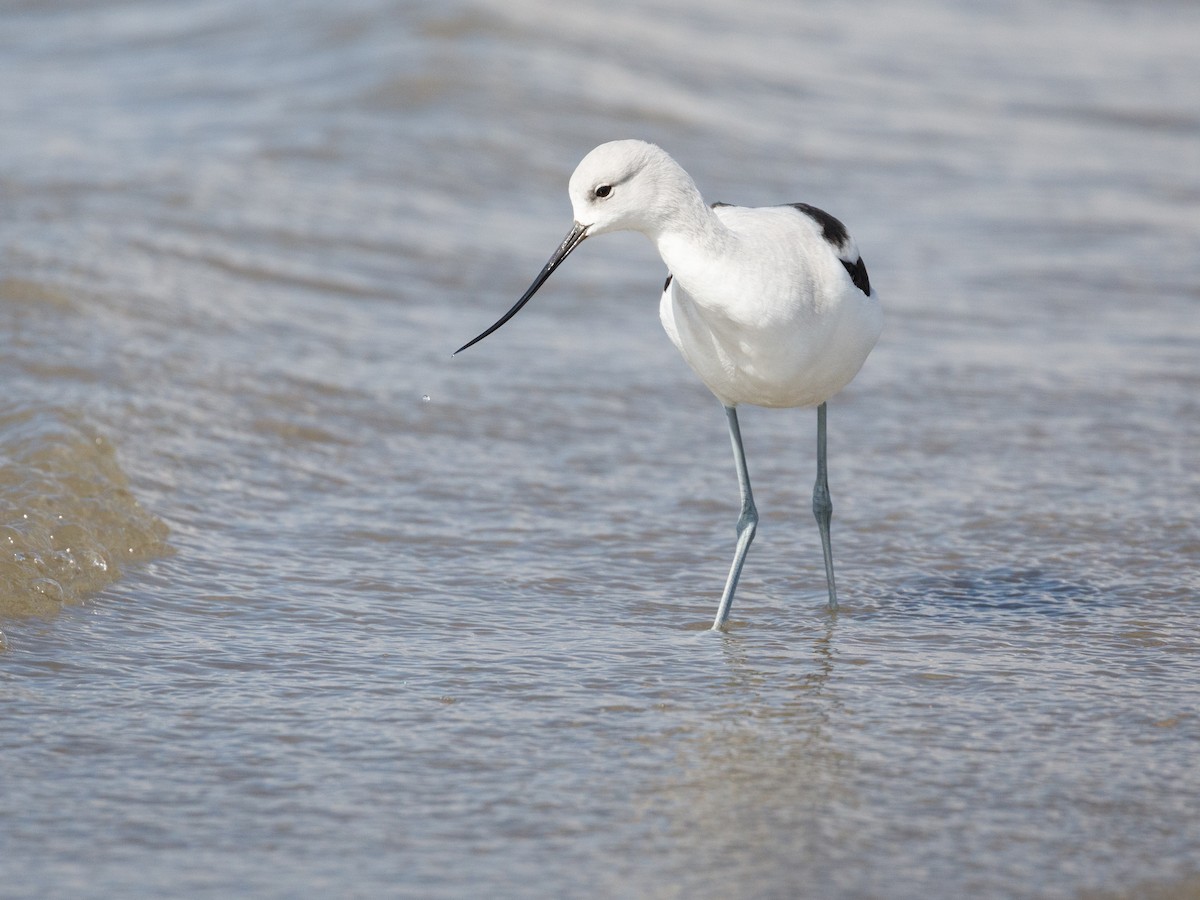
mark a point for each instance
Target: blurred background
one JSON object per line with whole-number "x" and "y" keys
{"x": 291, "y": 602}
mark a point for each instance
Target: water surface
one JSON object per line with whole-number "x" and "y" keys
{"x": 292, "y": 603}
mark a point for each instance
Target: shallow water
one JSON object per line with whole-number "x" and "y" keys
{"x": 275, "y": 624}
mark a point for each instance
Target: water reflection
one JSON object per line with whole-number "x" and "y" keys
{"x": 763, "y": 785}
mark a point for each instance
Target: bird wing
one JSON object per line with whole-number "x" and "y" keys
{"x": 843, "y": 245}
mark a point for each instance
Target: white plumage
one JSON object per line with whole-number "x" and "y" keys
{"x": 770, "y": 306}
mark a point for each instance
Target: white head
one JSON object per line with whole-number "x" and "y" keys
{"x": 628, "y": 186}
{"x": 619, "y": 186}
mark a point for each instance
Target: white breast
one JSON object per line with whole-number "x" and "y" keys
{"x": 773, "y": 319}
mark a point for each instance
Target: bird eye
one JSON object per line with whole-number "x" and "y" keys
{"x": 602, "y": 190}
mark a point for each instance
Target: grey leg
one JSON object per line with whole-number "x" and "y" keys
{"x": 747, "y": 522}
{"x": 823, "y": 506}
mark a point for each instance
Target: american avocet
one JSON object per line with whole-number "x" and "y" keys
{"x": 770, "y": 306}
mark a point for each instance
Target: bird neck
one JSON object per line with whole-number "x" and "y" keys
{"x": 693, "y": 239}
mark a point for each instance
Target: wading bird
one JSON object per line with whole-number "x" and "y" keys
{"x": 770, "y": 306}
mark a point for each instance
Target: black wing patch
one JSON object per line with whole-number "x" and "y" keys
{"x": 858, "y": 274}
{"x": 667, "y": 283}
{"x": 831, "y": 229}
{"x": 835, "y": 232}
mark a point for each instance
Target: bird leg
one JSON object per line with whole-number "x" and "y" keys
{"x": 747, "y": 522}
{"x": 823, "y": 506}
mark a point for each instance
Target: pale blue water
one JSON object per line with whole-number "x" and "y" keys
{"x": 275, "y": 625}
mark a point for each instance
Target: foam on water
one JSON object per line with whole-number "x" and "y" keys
{"x": 70, "y": 521}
